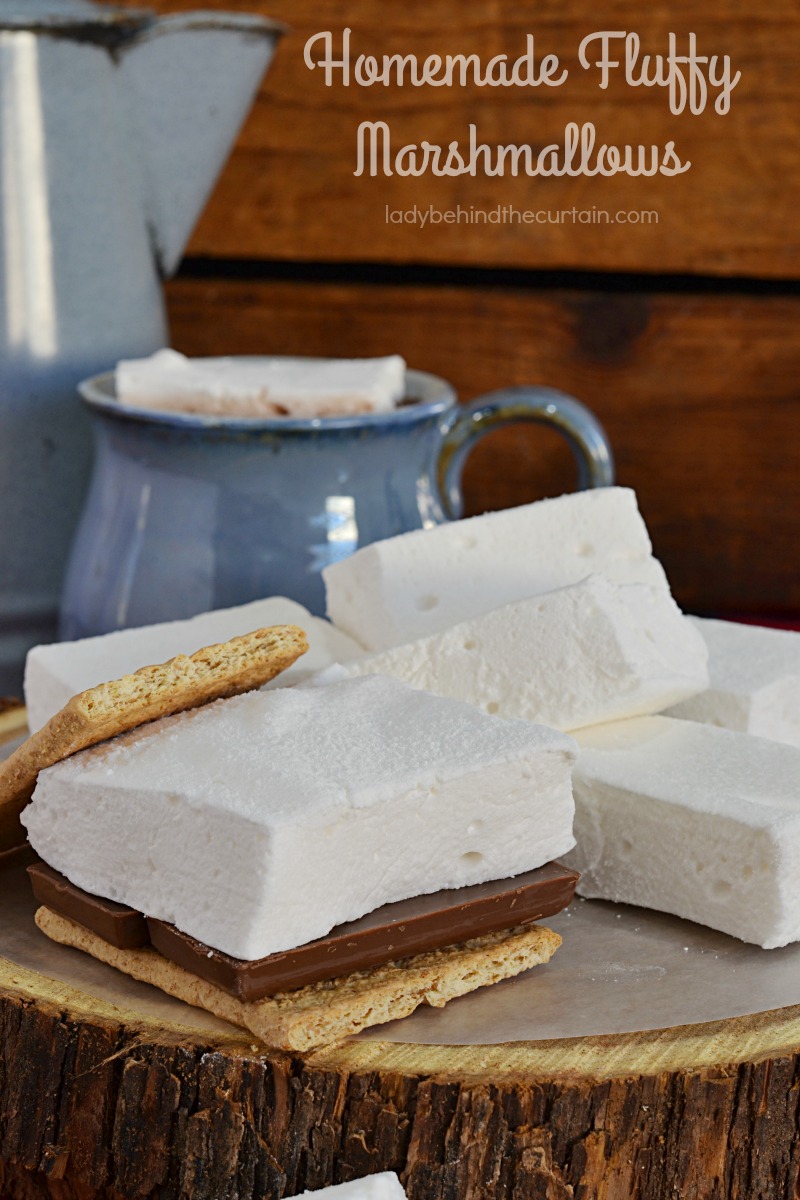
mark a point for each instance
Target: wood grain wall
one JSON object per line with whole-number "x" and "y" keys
{"x": 683, "y": 335}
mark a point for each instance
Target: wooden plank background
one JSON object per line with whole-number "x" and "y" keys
{"x": 684, "y": 336}
{"x": 642, "y": 362}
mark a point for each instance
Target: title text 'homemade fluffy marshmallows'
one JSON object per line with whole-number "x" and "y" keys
{"x": 259, "y": 823}
{"x": 419, "y": 583}
{"x": 591, "y": 652}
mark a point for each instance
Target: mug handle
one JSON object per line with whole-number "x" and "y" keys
{"x": 546, "y": 406}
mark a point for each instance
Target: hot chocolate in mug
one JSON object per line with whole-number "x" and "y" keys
{"x": 187, "y": 513}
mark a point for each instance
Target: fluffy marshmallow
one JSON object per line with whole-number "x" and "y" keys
{"x": 755, "y": 681}
{"x": 691, "y": 820}
{"x": 55, "y": 673}
{"x": 261, "y": 387}
{"x": 385, "y": 1186}
{"x": 423, "y": 582}
{"x": 258, "y": 823}
{"x": 591, "y": 652}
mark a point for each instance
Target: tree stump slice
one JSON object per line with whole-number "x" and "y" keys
{"x": 97, "y": 1101}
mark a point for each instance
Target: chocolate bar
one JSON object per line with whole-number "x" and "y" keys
{"x": 391, "y": 932}
{"x": 116, "y": 924}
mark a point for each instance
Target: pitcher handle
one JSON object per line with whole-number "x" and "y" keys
{"x": 460, "y": 432}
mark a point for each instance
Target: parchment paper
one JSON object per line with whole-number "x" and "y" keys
{"x": 620, "y": 970}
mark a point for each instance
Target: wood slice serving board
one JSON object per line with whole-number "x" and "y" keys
{"x": 109, "y": 1089}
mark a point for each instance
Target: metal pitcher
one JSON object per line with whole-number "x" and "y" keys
{"x": 113, "y": 127}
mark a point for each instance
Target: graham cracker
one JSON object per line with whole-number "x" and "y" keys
{"x": 102, "y": 712}
{"x": 324, "y": 1013}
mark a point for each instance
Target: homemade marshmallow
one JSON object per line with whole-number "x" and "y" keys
{"x": 591, "y": 652}
{"x": 56, "y": 672}
{"x": 385, "y": 1186}
{"x": 258, "y": 823}
{"x": 691, "y": 820}
{"x": 754, "y": 681}
{"x": 261, "y": 387}
{"x": 419, "y": 583}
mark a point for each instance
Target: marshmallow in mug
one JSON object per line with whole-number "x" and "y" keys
{"x": 261, "y": 387}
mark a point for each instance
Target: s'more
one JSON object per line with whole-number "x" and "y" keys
{"x": 309, "y": 861}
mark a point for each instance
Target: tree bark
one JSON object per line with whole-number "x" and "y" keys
{"x": 96, "y": 1102}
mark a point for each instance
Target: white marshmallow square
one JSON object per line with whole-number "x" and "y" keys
{"x": 385, "y": 1186}
{"x": 691, "y": 820}
{"x": 591, "y": 652}
{"x": 261, "y": 387}
{"x": 754, "y": 681}
{"x": 419, "y": 583}
{"x": 258, "y": 823}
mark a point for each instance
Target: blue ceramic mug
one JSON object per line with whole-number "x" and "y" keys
{"x": 187, "y": 513}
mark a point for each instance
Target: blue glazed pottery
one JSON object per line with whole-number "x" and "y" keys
{"x": 187, "y": 513}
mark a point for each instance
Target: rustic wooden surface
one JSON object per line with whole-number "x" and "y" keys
{"x": 290, "y": 193}
{"x": 699, "y": 394}
{"x": 97, "y": 1103}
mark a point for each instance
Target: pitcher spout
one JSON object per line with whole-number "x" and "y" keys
{"x": 191, "y": 79}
